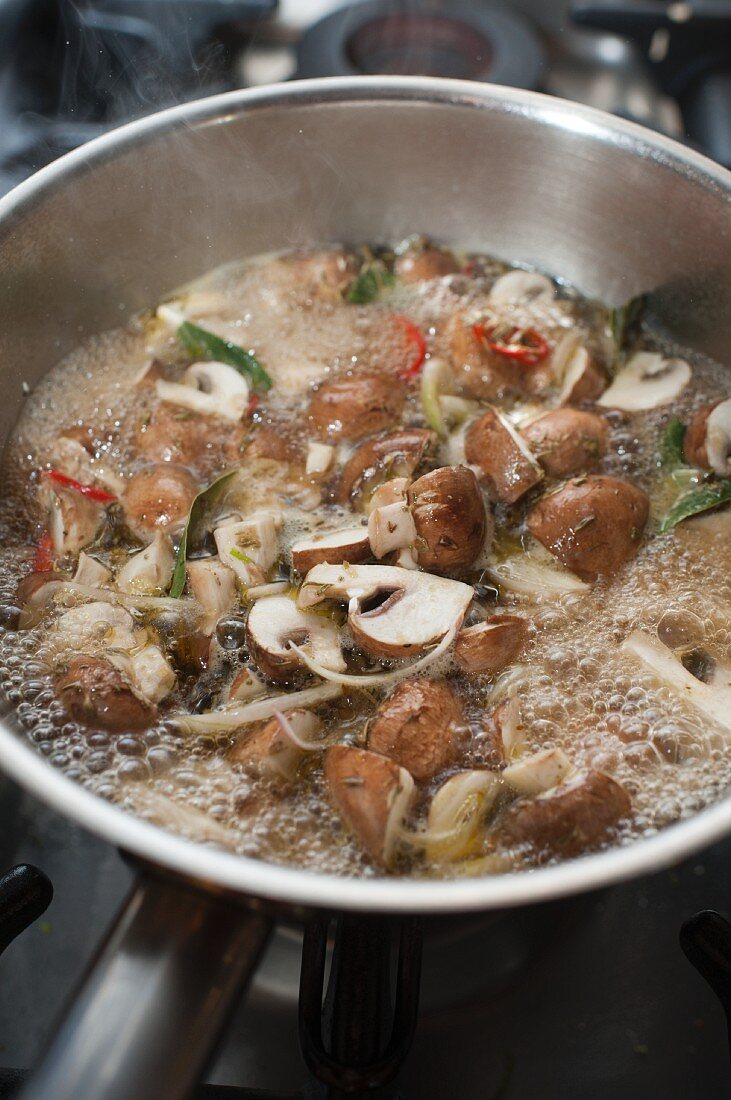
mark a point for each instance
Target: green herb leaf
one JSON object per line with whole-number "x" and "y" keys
{"x": 197, "y": 526}
{"x": 369, "y": 284}
{"x": 624, "y": 319}
{"x": 203, "y": 344}
{"x": 671, "y": 444}
{"x": 697, "y": 501}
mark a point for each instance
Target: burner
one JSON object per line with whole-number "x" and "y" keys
{"x": 474, "y": 41}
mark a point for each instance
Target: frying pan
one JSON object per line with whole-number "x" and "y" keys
{"x": 114, "y": 226}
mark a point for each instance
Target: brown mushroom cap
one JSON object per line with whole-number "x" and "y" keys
{"x": 567, "y": 441}
{"x": 569, "y": 818}
{"x": 349, "y": 545}
{"x": 593, "y": 524}
{"x": 424, "y": 262}
{"x": 694, "y": 440}
{"x": 479, "y": 372}
{"x": 372, "y": 793}
{"x": 95, "y": 693}
{"x": 158, "y": 498}
{"x": 274, "y": 443}
{"x": 449, "y": 516}
{"x": 488, "y": 647}
{"x": 419, "y": 727}
{"x": 322, "y": 270}
{"x": 508, "y": 468}
{"x": 354, "y": 405}
{"x": 397, "y": 452}
{"x": 173, "y": 434}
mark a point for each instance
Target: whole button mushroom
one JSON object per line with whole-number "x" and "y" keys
{"x": 478, "y": 371}
{"x": 567, "y": 441}
{"x": 159, "y": 498}
{"x": 423, "y": 261}
{"x": 450, "y": 519}
{"x": 95, "y": 693}
{"x": 419, "y": 727}
{"x": 373, "y": 794}
{"x": 593, "y": 524}
{"x": 399, "y": 451}
{"x": 352, "y": 406}
{"x": 172, "y": 434}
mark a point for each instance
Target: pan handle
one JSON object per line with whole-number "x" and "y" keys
{"x": 148, "y": 1012}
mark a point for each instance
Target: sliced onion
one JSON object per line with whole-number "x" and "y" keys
{"x": 436, "y": 379}
{"x": 276, "y": 588}
{"x": 288, "y": 731}
{"x": 222, "y": 721}
{"x": 108, "y": 595}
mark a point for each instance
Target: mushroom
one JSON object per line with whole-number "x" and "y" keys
{"x": 421, "y": 261}
{"x": 73, "y": 519}
{"x": 581, "y": 379}
{"x": 593, "y": 524}
{"x": 711, "y": 699}
{"x": 245, "y": 685}
{"x": 383, "y": 456}
{"x": 480, "y": 372}
{"x": 149, "y": 571}
{"x": 373, "y": 794}
{"x": 509, "y": 726}
{"x": 324, "y": 271}
{"x": 455, "y": 813}
{"x": 568, "y": 818}
{"x": 276, "y": 621}
{"x": 319, "y": 459}
{"x": 159, "y": 497}
{"x": 91, "y": 572}
{"x": 213, "y": 585}
{"x": 449, "y": 517}
{"x": 506, "y": 464}
{"x": 270, "y": 752}
{"x": 250, "y": 546}
{"x": 354, "y": 405}
{"x": 392, "y": 612}
{"x": 647, "y": 381}
{"x": 488, "y": 647}
{"x": 209, "y": 388}
{"x": 351, "y": 545}
{"x": 521, "y": 286}
{"x": 538, "y": 772}
{"x": 98, "y": 622}
{"x": 176, "y": 435}
{"x": 391, "y": 492}
{"x": 75, "y": 452}
{"x": 390, "y": 527}
{"x": 419, "y": 726}
{"x": 151, "y": 673}
{"x": 567, "y": 441}
{"x": 92, "y": 691}
{"x": 707, "y": 442}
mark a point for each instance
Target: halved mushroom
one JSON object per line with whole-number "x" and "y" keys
{"x": 250, "y": 546}
{"x": 351, "y": 545}
{"x": 97, "y": 622}
{"x": 149, "y": 571}
{"x": 449, "y": 517}
{"x": 538, "y": 772}
{"x": 319, "y": 459}
{"x": 396, "y": 453}
{"x": 567, "y": 441}
{"x": 707, "y": 442}
{"x": 569, "y": 818}
{"x": 152, "y": 675}
{"x": 419, "y": 726}
{"x": 647, "y": 381}
{"x": 711, "y": 699}
{"x": 270, "y": 752}
{"x": 354, "y": 405}
{"x": 94, "y": 692}
{"x": 391, "y": 527}
{"x": 391, "y": 492}
{"x": 213, "y": 585}
{"x": 392, "y": 612}
{"x": 73, "y": 519}
{"x": 521, "y": 286}
{"x": 373, "y": 794}
{"x": 159, "y": 498}
{"x": 455, "y": 813}
{"x": 581, "y": 379}
{"x": 421, "y": 261}
{"x": 276, "y": 621}
{"x": 507, "y": 466}
{"x": 91, "y": 572}
{"x": 593, "y": 524}
{"x": 487, "y": 647}
{"x": 209, "y": 388}
{"x": 478, "y": 371}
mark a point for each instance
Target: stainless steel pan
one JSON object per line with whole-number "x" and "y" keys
{"x": 114, "y": 226}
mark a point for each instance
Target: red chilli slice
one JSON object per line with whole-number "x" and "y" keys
{"x": 417, "y": 346}
{"x": 91, "y": 491}
{"x": 43, "y": 562}
{"x": 526, "y": 345}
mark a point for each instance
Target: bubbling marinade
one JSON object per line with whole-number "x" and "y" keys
{"x": 377, "y": 561}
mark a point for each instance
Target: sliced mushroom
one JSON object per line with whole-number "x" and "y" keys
{"x": 488, "y": 647}
{"x": 419, "y": 726}
{"x": 97, "y": 622}
{"x": 213, "y": 585}
{"x": 392, "y": 612}
{"x": 569, "y": 818}
{"x": 208, "y": 388}
{"x": 455, "y": 813}
{"x": 449, "y": 517}
{"x": 152, "y": 675}
{"x": 94, "y": 692}
{"x": 91, "y": 572}
{"x": 391, "y": 492}
{"x": 270, "y": 752}
{"x": 507, "y": 466}
{"x": 593, "y": 525}
{"x": 352, "y": 405}
{"x": 73, "y": 519}
{"x": 396, "y": 453}
{"x": 718, "y": 439}
{"x": 567, "y": 441}
{"x": 521, "y": 286}
{"x": 276, "y": 621}
{"x": 581, "y": 379}
{"x": 712, "y": 700}
{"x": 250, "y": 546}
{"x": 319, "y": 459}
{"x": 149, "y": 571}
{"x": 421, "y": 262}
{"x": 373, "y": 794}
{"x": 350, "y": 544}
{"x": 538, "y": 772}
{"x": 646, "y": 382}
{"x": 478, "y": 371}
{"x": 159, "y": 498}
{"x": 390, "y": 527}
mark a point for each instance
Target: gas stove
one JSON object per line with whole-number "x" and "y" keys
{"x": 590, "y": 995}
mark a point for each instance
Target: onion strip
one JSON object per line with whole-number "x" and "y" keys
{"x": 223, "y": 721}
{"x": 286, "y": 727}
